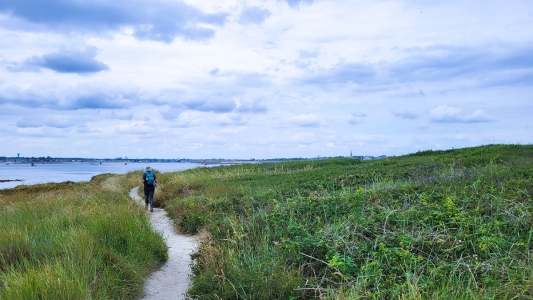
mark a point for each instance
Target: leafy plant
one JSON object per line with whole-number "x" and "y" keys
{"x": 434, "y": 224}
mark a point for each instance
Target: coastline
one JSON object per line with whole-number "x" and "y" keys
{"x": 15, "y": 174}
{"x": 10, "y": 180}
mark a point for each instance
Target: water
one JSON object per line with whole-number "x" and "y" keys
{"x": 76, "y": 172}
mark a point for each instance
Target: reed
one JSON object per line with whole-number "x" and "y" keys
{"x": 76, "y": 241}
{"x": 453, "y": 224}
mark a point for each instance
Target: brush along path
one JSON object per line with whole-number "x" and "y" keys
{"x": 173, "y": 279}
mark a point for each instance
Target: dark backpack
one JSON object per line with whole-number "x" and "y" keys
{"x": 150, "y": 177}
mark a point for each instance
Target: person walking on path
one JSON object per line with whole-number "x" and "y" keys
{"x": 150, "y": 182}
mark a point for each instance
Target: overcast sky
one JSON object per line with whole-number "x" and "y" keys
{"x": 263, "y": 78}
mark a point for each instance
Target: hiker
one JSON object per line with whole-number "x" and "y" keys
{"x": 150, "y": 182}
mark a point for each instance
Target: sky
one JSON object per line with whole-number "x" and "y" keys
{"x": 263, "y": 78}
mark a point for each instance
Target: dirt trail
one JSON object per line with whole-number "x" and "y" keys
{"x": 172, "y": 280}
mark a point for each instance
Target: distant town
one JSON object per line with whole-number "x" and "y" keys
{"x": 43, "y": 160}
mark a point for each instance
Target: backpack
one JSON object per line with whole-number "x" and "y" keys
{"x": 150, "y": 178}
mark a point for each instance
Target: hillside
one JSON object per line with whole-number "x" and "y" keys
{"x": 453, "y": 224}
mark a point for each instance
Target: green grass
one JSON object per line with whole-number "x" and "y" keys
{"x": 453, "y": 224}
{"x": 76, "y": 241}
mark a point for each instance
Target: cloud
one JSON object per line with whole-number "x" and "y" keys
{"x": 121, "y": 115}
{"x": 150, "y": 20}
{"x": 254, "y": 15}
{"x": 229, "y": 120}
{"x": 478, "y": 116}
{"x": 296, "y": 3}
{"x": 405, "y": 114}
{"x": 82, "y": 96}
{"x": 487, "y": 66}
{"x": 447, "y": 114}
{"x": 104, "y": 96}
{"x": 356, "y": 118}
{"x": 255, "y": 107}
{"x": 100, "y": 99}
{"x": 53, "y": 121}
{"x": 84, "y": 129}
{"x": 216, "y": 103}
{"x": 170, "y": 113}
{"x": 80, "y": 62}
{"x": 309, "y": 120}
{"x": 282, "y": 74}
{"x": 342, "y": 73}
{"x": 248, "y": 79}
{"x": 308, "y": 54}
{"x": 305, "y": 59}
{"x": 30, "y": 97}
{"x": 181, "y": 119}
{"x": 240, "y": 79}
{"x": 186, "y": 119}
{"x": 213, "y": 103}
{"x": 29, "y": 124}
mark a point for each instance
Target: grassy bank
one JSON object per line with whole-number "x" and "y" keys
{"x": 76, "y": 241}
{"x": 432, "y": 225}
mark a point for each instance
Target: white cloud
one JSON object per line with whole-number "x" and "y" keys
{"x": 306, "y": 120}
{"x": 232, "y": 78}
{"x": 479, "y": 116}
{"x": 447, "y": 114}
{"x": 444, "y": 113}
{"x": 253, "y": 15}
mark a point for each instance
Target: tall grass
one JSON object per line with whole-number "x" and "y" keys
{"x": 451, "y": 224}
{"x": 76, "y": 241}
{"x": 432, "y": 225}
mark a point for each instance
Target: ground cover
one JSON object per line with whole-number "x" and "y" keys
{"x": 451, "y": 224}
{"x": 76, "y": 241}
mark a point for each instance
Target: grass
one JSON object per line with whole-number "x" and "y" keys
{"x": 455, "y": 224}
{"x": 451, "y": 224}
{"x": 76, "y": 241}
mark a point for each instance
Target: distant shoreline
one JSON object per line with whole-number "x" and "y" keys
{"x": 10, "y": 180}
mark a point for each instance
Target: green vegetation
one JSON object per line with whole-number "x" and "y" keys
{"x": 76, "y": 241}
{"x": 454, "y": 224}
{"x": 451, "y": 224}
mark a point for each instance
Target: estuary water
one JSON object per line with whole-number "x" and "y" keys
{"x": 76, "y": 172}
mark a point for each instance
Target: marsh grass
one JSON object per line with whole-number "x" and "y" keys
{"x": 451, "y": 224}
{"x": 76, "y": 241}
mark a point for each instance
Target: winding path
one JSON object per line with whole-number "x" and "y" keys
{"x": 173, "y": 279}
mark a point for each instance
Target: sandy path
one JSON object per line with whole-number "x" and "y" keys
{"x": 172, "y": 280}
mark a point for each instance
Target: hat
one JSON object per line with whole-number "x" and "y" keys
{"x": 148, "y": 169}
